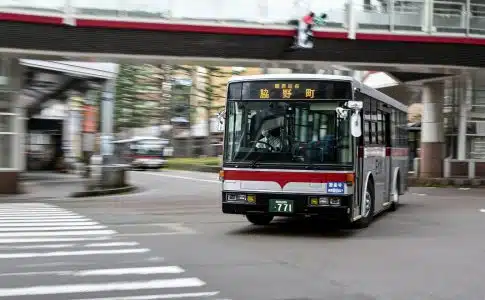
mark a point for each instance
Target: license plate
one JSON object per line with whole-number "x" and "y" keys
{"x": 281, "y": 206}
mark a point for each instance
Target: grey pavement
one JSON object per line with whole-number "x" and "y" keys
{"x": 46, "y": 185}
{"x": 431, "y": 248}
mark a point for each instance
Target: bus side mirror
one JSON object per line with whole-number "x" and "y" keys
{"x": 355, "y": 121}
{"x": 355, "y": 126}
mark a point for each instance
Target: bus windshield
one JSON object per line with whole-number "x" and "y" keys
{"x": 287, "y": 132}
{"x": 148, "y": 149}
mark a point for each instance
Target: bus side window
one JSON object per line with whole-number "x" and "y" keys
{"x": 367, "y": 120}
{"x": 380, "y": 127}
{"x": 393, "y": 128}
{"x": 404, "y": 132}
{"x": 375, "y": 138}
{"x": 387, "y": 127}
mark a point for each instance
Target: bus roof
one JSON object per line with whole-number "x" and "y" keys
{"x": 289, "y": 76}
{"x": 357, "y": 84}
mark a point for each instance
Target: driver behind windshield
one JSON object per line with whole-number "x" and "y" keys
{"x": 270, "y": 138}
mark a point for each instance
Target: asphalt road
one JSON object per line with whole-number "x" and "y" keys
{"x": 171, "y": 239}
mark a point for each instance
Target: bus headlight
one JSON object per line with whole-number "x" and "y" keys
{"x": 318, "y": 201}
{"x": 335, "y": 201}
{"x": 324, "y": 201}
{"x": 241, "y": 198}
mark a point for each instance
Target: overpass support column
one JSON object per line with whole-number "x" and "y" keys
{"x": 464, "y": 100}
{"x": 107, "y": 119}
{"x": 22, "y": 123}
{"x": 11, "y": 131}
{"x": 432, "y": 133}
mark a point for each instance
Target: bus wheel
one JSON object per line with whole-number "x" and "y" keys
{"x": 259, "y": 219}
{"x": 368, "y": 208}
{"x": 395, "y": 197}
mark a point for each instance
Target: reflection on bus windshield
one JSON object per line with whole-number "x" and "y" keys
{"x": 287, "y": 132}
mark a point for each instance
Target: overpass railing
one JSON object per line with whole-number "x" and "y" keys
{"x": 458, "y": 17}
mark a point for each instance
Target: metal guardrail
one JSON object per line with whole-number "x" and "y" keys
{"x": 465, "y": 17}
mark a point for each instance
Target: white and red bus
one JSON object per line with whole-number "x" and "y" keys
{"x": 144, "y": 152}
{"x": 314, "y": 146}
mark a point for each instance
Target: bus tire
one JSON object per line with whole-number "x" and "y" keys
{"x": 395, "y": 194}
{"x": 369, "y": 202}
{"x": 259, "y": 219}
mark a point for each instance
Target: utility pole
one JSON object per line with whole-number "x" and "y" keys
{"x": 89, "y": 128}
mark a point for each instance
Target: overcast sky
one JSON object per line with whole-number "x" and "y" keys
{"x": 224, "y": 9}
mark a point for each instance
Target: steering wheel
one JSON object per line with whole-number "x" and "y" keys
{"x": 271, "y": 148}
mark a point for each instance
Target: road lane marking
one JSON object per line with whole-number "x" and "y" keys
{"x": 71, "y": 253}
{"x": 101, "y": 287}
{"x": 114, "y": 244}
{"x": 160, "y": 297}
{"x": 42, "y": 224}
{"x": 20, "y": 229}
{"x": 49, "y": 240}
{"x": 25, "y": 204}
{"x": 131, "y": 271}
{"x": 104, "y": 272}
{"x": 56, "y": 233}
{"x": 42, "y": 218}
{"x": 39, "y": 214}
{"x": 183, "y": 177}
{"x": 29, "y": 210}
{"x": 51, "y": 246}
{"x": 29, "y": 233}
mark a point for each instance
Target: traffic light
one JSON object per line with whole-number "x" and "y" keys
{"x": 304, "y": 34}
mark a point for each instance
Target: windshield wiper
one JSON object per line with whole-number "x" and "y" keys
{"x": 256, "y": 160}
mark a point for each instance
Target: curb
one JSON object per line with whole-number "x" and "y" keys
{"x": 94, "y": 193}
{"x": 195, "y": 168}
{"x": 42, "y": 182}
{"x": 446, "y": 182}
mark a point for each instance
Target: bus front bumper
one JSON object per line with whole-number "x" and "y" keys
{"x": 149, "y": 163}
{"x": 264, "y": 204}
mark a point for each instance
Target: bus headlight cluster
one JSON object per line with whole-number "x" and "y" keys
{"x": 241, "y": 198}
{"x": 324, "y": 201}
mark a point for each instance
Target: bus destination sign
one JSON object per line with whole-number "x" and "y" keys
{"x": 286, "y": 91}
{"x": 300, "y": 90}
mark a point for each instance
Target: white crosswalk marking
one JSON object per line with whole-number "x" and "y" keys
{"x": 33, "y": 232}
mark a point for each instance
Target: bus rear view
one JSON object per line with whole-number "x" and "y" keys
{"x": 291, "y": 148}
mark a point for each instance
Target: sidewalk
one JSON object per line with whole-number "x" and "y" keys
{"x": 47, "y": 185}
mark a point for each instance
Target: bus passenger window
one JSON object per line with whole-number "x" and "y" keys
{"x": 380, "y": 129}
{"x": 367, "y": 132}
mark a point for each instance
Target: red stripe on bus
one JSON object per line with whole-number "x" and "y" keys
{"x": 390, "y": 151}
{"x": 399, "y": 151}
{"x": 283, "y": 178}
